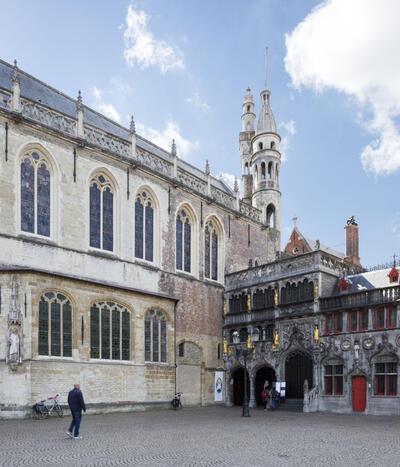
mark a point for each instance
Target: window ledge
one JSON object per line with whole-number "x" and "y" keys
{"x": 377, "y": 396}
{"x": 186, "y": 275}
{"x": 146, "y": 264}
{"x": 102, "y": 253}
{"x": 36, "y": 238}
{"x": 105, "y": 361}
{"x": 55, "y": 358}
{"x": 163, "y": 364}
{"x": 213, "y": 282}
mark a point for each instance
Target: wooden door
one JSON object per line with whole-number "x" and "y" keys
{"x": 359, "y": 393}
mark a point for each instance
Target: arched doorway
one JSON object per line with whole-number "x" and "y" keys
{"x": 238, "y": 386}
{"x": 298, "y": 367}
{"x": 266, "y": 373}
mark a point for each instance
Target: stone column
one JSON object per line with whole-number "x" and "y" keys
{"x": 252, "y": 401}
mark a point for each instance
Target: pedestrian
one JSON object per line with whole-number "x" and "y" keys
{"x": 76, "y": 405}
{"x": 264, "y": 397}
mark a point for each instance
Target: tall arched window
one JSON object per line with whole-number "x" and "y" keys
{"x": 211, "y": 251}
{"x": 155, "y": 337}
{"x": 109, "y": 331}
{"x": 144, "y": 226}
{"x": 270, "y": 216}
{"x": 183, "y": 241}
{"x": 101, "y": 213}
{"x": 270, "y": 170}
{"x": 272, "y": 145}
{"x": 55, "y": 325}
{"x": 35, "y": 194}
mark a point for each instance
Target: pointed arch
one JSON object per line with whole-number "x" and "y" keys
{"x": 186, "y": 234}
{"x": 37, "y": 190}
{"x": 262, "y": 170}
{"x": 146, "y": 212}
{"x": 102, "y": 210}
{"x": 213, "y": 248}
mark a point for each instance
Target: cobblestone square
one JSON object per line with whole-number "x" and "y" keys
{"x": 211, "y": 436}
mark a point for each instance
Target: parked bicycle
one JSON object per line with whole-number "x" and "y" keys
{"x": 176, "y": 401}
{"x": 47, "y": 407}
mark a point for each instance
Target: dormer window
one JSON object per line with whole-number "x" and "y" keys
{"x": 393, "y": 275}
{"x": 343, "y": 284}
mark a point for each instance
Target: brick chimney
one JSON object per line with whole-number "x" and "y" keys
{"x": 351, "y": 241}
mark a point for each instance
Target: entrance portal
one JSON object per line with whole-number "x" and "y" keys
{"x": 238, "y": 386}
{"x": 359, "y": 390}
{"x": 265, "y": 373}
{"x": 298, "y": 367}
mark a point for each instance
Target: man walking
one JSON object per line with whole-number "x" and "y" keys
{"x": 76, "y": 405}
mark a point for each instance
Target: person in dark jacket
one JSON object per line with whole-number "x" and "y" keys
{"x": 76, "y": 405}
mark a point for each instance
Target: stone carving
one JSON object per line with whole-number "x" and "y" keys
{"x": 223, "y": 198}
{"x": 13, "y": 357}
{"x": 345, "y": 344}
{"x": 108, "y": 142}
{"x": 398, "y": 340}
{"x": 192, "y": 182}
{"x": 48, "y": 117}
{"x": 153, "y": 162}
{"x": 368, "y": 343}
{"x": 5, "y": 100}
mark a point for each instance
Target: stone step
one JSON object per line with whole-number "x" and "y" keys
{"x": 292, "y": 405}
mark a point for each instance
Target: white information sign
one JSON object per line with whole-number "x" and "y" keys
{"x": 219, "y": 386}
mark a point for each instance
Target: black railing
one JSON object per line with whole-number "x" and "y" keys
{"x": 360, "y": 299}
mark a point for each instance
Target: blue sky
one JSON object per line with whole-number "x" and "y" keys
{"x": 181, "y": 67}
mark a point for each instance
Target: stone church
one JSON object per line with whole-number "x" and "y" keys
{"x": 113, "y": 252}
{"x": 130, "y": 271}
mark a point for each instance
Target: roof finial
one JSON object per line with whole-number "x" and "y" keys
{"x": 236, "y": 186}
{"x": 266, "y": 67}
{"x": 173, "y": 148}
{"x": 15, "y": 78}
{"x": 207, "y": 168}
{"x": 132, "y": 127}
{"x": 394, "y": 260}
{"x": 294, "y": 219}
{"x": 79, "y": 101}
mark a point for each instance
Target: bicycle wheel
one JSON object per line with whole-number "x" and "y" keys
{"x": 59, "y": 410}
{"x": 44, "y": 412}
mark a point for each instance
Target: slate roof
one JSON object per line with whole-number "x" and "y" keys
{"x": 38, "y": 91}
{"x": 369, "y": 280}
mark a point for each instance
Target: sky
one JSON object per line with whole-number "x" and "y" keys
{"x": 181, "y": 68}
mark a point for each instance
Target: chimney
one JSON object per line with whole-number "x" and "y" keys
{"x": 351, "y": 241}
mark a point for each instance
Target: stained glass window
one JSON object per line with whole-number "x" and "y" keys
{"x": 183, "y": 242}
{"x": 101, "y": 198}
{"x": 144, "y": 227}
{"x": 35, "y": 195}
{"x": 179, "y": 234}
{"x": 55, "y": 325}
{"x": 187, "y": 244}
{"x": 109, "y": 331}
{"x": 211, "y": 251}
{"x": 155, "y": 337}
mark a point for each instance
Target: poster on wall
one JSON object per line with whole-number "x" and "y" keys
{"x": 219, "y": 386}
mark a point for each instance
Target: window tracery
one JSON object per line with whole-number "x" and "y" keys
{"x": 183, "y": 241}
{"x": 144, "y": 226}
{"x": 101, "y": 213}
{"x": 211, "y": 251}
{"x": 155, "y": 337}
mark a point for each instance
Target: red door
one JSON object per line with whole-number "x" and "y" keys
{"x": 359, "y": 393}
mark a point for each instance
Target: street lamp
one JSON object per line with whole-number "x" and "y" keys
{"x": 245, "y": 349}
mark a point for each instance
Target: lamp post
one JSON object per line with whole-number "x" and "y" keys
{"x": 245, "y": 349}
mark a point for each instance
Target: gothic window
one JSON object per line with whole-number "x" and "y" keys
{"x": 211, "y": 251}
{"x": 246, "y": 168}
{"x": 155, "y": 337}
{"x": 260, "y": 146}
{"x": 270, "y": 214}
{"x": 101, "y": 207}
{"x": 262, "y": 170}
{"x": 183, "y": 241}
{"x": 386, "y": 377}
{"x": 272, "y": 145}
{"x": 35, "y": 194}
{"x": 333, "y": 380}
{"x": 109, "y": 331}
{"x": 55, "y": 325}
{"x": 144, "y": 227}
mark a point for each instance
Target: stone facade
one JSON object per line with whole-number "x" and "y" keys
{"x": 78, "y": 144}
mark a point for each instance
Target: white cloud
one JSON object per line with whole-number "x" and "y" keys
{"x": 289, "y": 130}
{"x": 143, "y": 48}
{"x": 197, "y": 102}
{"x": 107, "y": 109}
{"x": 228, "y": 179}
{"x": 164, "y": 138}
{"x": 352, "y": 47}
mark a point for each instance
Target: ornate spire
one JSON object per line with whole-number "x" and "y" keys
{"x": 207, "y": 169}
{"x": 173, "y": 148}
{"x": 132, "y": 127}
{"x": 79, "y": 104}
{"x": 15, "y": 77}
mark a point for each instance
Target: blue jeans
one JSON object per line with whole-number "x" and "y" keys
{"x": 76, "y": 422}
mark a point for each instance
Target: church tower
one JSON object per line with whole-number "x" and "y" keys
{"x": 265, "y": 164}
{"x": 246, "y": 135}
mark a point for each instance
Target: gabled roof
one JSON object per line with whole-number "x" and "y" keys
{"x": 369, "y": 280}
{"x": 38, "y": 91}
